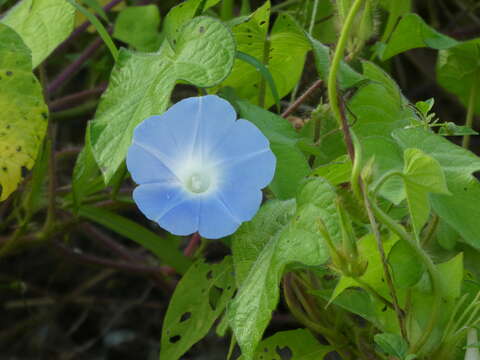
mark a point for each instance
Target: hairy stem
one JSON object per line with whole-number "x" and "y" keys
{"x": 386, "y": 270}
{"x": 337, "y": 58}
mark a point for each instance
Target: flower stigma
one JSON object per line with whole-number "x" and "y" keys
{"x": 198, "y": 182}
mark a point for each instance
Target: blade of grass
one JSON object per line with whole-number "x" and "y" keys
{"x": 99, "y": 27}
{"x": 264, "y": 72}
{"x": 95, "y": 6}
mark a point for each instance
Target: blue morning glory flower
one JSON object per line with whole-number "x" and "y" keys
{"x": 198, "y": 168}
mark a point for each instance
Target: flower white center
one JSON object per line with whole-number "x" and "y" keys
{"x": 198, "y": 182}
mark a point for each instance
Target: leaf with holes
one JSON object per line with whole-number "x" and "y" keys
{"x": 24, "y": 114}
{"x": 42, "y": 24}
{"x": 199, "y": 299}
{"x": 297, "y": 344}
{"x": 282, "y": 51}
{"x": 296, "y": 242}
{"x": 141, "y": 83}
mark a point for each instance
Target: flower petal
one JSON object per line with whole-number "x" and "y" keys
{"x": 216, "y": 120}
{"x": 199, "y": 123}
{"x": 255, "y": 172}
{"x": 159, "y": 201}
{"x": 183, "y": 219}
{"x": 216, "y": 219}
{"x": 154, "y": 136}
{"x": 245, "y": 156}
{"x": 243, "y": 203}
{"x": 147, "y": 168}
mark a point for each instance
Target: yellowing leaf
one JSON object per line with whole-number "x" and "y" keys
{"x": 23, "y": 113}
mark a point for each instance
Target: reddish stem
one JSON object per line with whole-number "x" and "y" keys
{"x": 74, "y": 99}
{"x": 72, "y": 69}
{"x": 95, "y": 260}
{"x": 192, "y": 245}
{"x": 302, "y": 98}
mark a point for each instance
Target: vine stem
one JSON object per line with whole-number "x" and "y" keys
{"x": 226, "y": 11}
{"x": 66, "y": 101}
{"x": 432, "y": 271}
{"x": 314, "y": 15}
{"x": 339, "y": 111}
{"x": 471, "y": 110}
{"x": 431, "y": 230}
{"x": 317, "y": 84}
{"x": 245, "y": 7}
{"x": 70, "y": 70}
{"x": 159, "y": 276}
{"x": 336, "y": 340}
{"x": 386, "y": 270}
{"x": 262, "y": 90}
{"x": 128, "y": 267}
{"x": 193, "y": 245}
